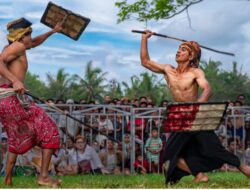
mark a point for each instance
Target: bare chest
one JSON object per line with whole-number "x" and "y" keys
{"x": 19, "y": 67}
{"x": 20, "y": 63}
{"x": 181, "y": 82}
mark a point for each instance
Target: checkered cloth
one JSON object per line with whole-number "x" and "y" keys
{"x": 193, "y": 116}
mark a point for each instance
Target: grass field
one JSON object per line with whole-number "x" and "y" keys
{"x": 217, "y": 180}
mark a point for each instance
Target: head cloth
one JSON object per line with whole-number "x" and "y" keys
{"x": 195, "y": 49}
{"x": 18, "y": 28}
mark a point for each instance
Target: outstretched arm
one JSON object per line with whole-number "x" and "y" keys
{"x": 145, "y": 59}
{"x": 41, "y": 38}
{"x": 204, "y": 85}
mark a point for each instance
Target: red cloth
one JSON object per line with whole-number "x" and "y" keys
{"x": 180, "y": 117}
{"x": 145, "y": 164}
{"x": 138, "y": 123}
{"x": 27, "y": 127}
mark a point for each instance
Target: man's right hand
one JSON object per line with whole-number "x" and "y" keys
{"x": 147, "y": 34}
{"x": 18, "y": 86}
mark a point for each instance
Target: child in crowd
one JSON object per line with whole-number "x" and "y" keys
{"x": 153, "y": 148}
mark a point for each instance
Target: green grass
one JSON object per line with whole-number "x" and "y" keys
{"x": 217, "y": 180}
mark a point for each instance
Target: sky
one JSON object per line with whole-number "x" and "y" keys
{"x": 219, "y": 24}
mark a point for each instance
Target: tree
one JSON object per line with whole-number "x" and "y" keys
{"x": 58, "y": 85}
{"x": 91, "y": 85}
{"x": 35, "y": 85}
{"x": 152, "y": 9}
{"x": 133, "y": 90}
{"x": 114, "y": 89}
{"x": 147, "y": 85}
{"x": 226, "y": 85}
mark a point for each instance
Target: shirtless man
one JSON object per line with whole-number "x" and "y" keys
{"x": 183, "y": 83}
{"x": 26, "y": 126}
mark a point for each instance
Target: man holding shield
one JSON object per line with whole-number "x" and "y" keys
{"x": 189, "y": 152}
{"x": 26, "y": 124}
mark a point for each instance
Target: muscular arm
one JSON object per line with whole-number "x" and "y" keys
{"x": 204, "y": 85}
{"x": 41, "y": 38}
{"x": 145, "y": 59}
{"x": 10, "y": 53}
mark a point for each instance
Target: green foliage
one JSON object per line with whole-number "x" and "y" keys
{"x": 226, "y": 84}
{"x": 93, "y": 85}
{"x": 114, "y": 89}
{"x": 35, "y": 85}
{"x": 151, "y": 9}
{"x": 58, "y": 85}
{"x": 147, "y": 85}
{"x": 150, "y": 181}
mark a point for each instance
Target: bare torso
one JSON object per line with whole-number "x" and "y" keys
{"x": 183, "y": 86}
{"x": 16, "y": 63}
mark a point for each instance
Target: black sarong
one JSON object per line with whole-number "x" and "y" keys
{"x": 202, "y": 152}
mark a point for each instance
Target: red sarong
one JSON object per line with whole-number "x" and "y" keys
{"x": 27, "y": 127}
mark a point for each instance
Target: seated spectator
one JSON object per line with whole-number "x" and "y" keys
{"x": 69, "y": 146}
{"x": 23, "y": 166}
{"x": 35, "y": 155}
{"x": 3, "y": 154}
{"x": 233, "y": 147}
{"x": 153, "y": 148}
{"x": 60, "y": 160}
{"x": 141, "y": 164}
{"x": 126, "y": 152}
{"x": 111, "y": 158}
{"x": 85, "y": 159}
{"x": 221, "y": 130}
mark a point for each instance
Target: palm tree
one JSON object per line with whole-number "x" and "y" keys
{"x": 35, "y": 85}
{"x": 133, "y": 91}
{"x": 58, "y": 85}
{"x": 91, "y": 85}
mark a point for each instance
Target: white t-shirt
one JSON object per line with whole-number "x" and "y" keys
{"x": 88, "y": 154}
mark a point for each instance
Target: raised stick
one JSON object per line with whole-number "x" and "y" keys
{"x": 178, "y": 39}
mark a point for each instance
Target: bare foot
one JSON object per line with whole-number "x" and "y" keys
{"x": 47, "y": 181}
{"x": 201, "y": 177}
{"x": 245, "y": 169}
{"x": 8, "y": 181}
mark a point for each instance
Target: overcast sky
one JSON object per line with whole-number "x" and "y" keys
{"x": 220, "y": 24}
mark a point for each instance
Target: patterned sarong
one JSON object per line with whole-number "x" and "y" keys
{"x": 27, "y": 127}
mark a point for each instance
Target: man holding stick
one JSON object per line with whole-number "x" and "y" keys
{"x": 189, "y": 152}
{"x": 26, "y": 124}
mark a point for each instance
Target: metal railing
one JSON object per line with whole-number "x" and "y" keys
{"x": 124, "y": 116}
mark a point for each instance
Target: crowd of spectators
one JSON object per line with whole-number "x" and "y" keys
{"x": 93, "y": 148}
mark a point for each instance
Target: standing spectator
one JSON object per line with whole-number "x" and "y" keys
{"x": 140, "y": 124}
{"x": 67, "y": 125}
{"x": 105, "y": 126}
{"x": 241, "y": 98}
{"x": 153, "y": 148}
{"x": 107, "y": 99}
{"x": 143, "y": 99}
